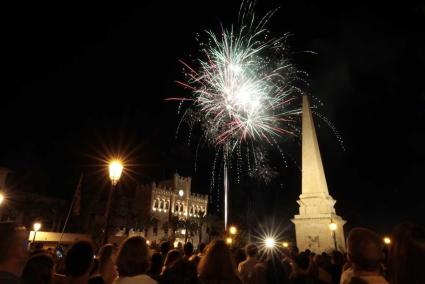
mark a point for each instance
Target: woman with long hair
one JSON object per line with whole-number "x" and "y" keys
{"x": 217, "y": 266}
{"x": 133, "y": 262}
{"x": 106, "y": 268}
{"x": 407, "y": 254}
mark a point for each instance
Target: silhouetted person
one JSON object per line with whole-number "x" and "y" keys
{"x": 335, "y": 269}
{"x": 156, "y": 266}
{"x": 218, "y": 265}
{"x": 164, "y": 249}
{"x": 301, "y": 273}
{"x": 365, "y": 255}
{"x": 187, "y": 250}
{"x": 407, "y": 254}
{"x": 38, "y": 270}
{"x": 178, "y": 270}
{"x": 321, "y": 268}
{"x": 201, "y": 249}
{"x": 133, "y": 262}
{"x": 246, "y": 268}
{"x": 78, "y": 262}
{"x": 13, "y": 252}
{"x": 270, "y": 271}
{"x": 106, "y": 268}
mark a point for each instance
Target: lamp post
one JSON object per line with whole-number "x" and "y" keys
{"x": 115, "y": 171}
{"x": 36, "y": 226}
{"x": 333, "y": 226}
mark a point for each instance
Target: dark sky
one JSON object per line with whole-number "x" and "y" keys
{"x": 81, "y": 80}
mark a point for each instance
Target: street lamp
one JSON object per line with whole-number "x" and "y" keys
{"x": 333, "y": 226}
{"x": 36, "y": 226}
{"x": 229, "y": 241}
{"x": 233, "y": 230}
{"x": 115, "y": 171}
{"x": 387, "y": 240}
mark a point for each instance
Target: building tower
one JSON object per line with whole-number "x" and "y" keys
{"x": 313, "y": 227}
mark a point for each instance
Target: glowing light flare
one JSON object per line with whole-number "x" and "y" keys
{"x": 229, "y": 240}
{"x": 1, "y": 198}
{"x": 270, "y": 242}
{"x": 36, "y": 226}
{"x": 115, "y": 171}
{"x": 233, "y": 230}
{"x": 285, "y": 244}
{"x": 387, "y": 240}
{"x": 333, "y": 227}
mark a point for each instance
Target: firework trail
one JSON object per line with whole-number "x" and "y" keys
{"x": 243, "y": 88}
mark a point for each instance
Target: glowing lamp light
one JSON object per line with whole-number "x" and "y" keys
{"x": 229, "y": 241}
{"x": 270, "y": 242}
{"x": 148, "y": 242}
{"x": 333, "y": 226}
{"x": 233, "y": 230}
{"x": 181, "y": 193}
{"x": 176, "y": 244}
{"x": 183, "y": 231}
{"x": 1, "y": 198}
{"x": 285, "y": 244}
{"x": 36, "y": 226}
{"x": 115, "y": 171}
{"x": 387, "y": 240}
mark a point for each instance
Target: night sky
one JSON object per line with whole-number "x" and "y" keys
{"x": 82, "y": 81}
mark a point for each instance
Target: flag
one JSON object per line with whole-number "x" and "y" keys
{"x": 77, "y": 198}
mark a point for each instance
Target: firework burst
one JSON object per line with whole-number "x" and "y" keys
{"x": 242, "y": 89}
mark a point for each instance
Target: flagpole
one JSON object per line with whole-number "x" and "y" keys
{"x": 70, "y": 208}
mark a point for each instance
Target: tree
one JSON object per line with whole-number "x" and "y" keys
{"x": 215, "y": 226}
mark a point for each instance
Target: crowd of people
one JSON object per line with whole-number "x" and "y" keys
{"x": 134, "y": 262}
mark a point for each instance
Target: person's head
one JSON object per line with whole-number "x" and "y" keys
{"x": 133, "y": 257}
{"x": 302, "y": 261}
{"x": 407, "y": 254}
{"x": 319, "y": 260}
{"x": 364, "y": 250}
{"x": 164, "y": 248}
{"x": 337, "y": 258}
{"x": 201, "y": 248}
{"x": 251, "y": 250}
{"x": 105, "y": 255}
{"x": 79, "y": 259}
{"x": 172, "y": 256}
{"x": 218, "y": 263}
{"x": 13, "y": 247}
{"x": 156, "y": 263}
{"x": 38, "y": 269}
{"x": 275, "y": 272}
{"x": 188, "y": 249}
{"x": 294, "y": 252}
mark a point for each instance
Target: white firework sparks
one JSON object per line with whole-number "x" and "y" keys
{"x": 242, "y": 89}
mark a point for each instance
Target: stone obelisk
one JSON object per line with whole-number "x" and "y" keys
{"x": 313, "y": 227}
